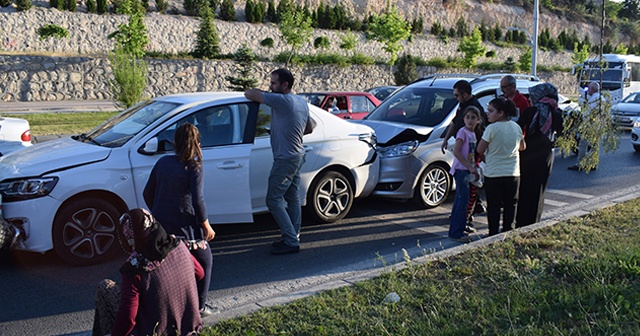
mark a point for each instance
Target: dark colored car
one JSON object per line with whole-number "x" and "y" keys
{"x": 382, "y": 92}
{"x": 348, "y": 105}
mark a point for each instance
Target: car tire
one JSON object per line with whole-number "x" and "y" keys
{"x": 636, "y": 148}
{"x": 85, "y": 231}
{"x": 433, "y": 186}
{"x": 329, "y": 198}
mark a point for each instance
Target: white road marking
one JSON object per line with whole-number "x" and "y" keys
{"x": 554, "y": 203}
{"x": 569, "y": 193}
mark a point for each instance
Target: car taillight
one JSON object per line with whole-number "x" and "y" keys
{"x": 26, "y": 136}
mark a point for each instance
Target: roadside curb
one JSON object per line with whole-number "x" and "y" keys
{"x": 349, "y": 278}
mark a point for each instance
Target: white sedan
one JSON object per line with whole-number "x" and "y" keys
{"x": 67, "y": 194}
{"x": 14, "y": 134}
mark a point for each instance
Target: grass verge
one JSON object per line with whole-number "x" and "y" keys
{"x": 63, "y": 123}
{"x": 579, "y": 277}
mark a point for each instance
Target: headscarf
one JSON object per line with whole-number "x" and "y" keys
{"x": 544, "y": 97}
{"x": 145, "y": 240}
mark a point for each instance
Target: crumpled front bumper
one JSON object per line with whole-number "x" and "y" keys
{"x": 10, "y": 236}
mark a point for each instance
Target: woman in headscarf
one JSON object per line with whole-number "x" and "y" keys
{"x": 158, "y": 295}
{"x": 539, "y": 124}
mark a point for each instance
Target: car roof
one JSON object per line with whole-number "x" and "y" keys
{"x": 352, "y": 93}
{"x": 478, "y": 82}
{"x": 198, "y": 97}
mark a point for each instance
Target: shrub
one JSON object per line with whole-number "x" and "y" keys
{"x": 23, "y": 5}
{"x": 5, "y": 3}
{"x": 227, "y": 11}
{"x": 492, "y": 66}
{"x": 53, "y": 3}
{"x": 70, "y": 5}
{"x": 130, "y": 78}
{"x": 101, "y": 7}
{"x": 267, "y": 42}
{"x": 321, "y": 42}
{"x": 490, "y": 54}
{"x": 162, "y": 5}
{"x": 406, "y": 72}
{"x": 192, "y": 7}
{"x": 52, "y": 30}
{"x": 91, "y": 6}
{"x": 245, "y": 60}
{"x": 438, "y": 62}
{"x": 362, "y": 59}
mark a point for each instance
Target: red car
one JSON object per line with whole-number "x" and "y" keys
{"x": 346, "y": 105}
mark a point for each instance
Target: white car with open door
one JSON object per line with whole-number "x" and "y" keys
{"x": 67, "y": 194}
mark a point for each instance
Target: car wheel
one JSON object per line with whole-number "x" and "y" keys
{"x": 433, "y": 187}
{"x": 85, "y": 231}
{"x": 637, "y": 148}
{"x": 329, "y": 198}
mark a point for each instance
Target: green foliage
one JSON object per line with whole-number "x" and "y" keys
{"x": 192, "y": 7}
{"x": 596, "y": 127}
{"x": 91, "y": 6}
{"x": 509, "y": 64}
{"x": 349, "y": 41}
{"x": 267, "y": 42}
{"x": 417, "y": 25}
{"x": 5, "y": 3}
{"x": 389, "y": 28}
{"x": 129, "y": 78}
{"x": 284, "y": 7}
{"x": 23, "y": 5}
{"x": 52, "y": 30}
{"x": 438, "y": 62}
{"x": 321, "y": 42}
{"x": 524, "y": 61}
{"x": 162, "y": 5}
{"x": 406, "y": 71}
{"x": 462, "y": 30}
{"x": 272, "y": 16}
{"x": 227, "y": 11}
{"x": 490, "y": 54}
{"x": 295, "y": 29}
{"x": 436, "y": 28}
{"x": 621, "y": 49}
{"x": 497, "y": 32}
{"x": 70, "y": 5}
{"x": 472, "y": 48}
{"x": 245, "y": 62}
{"x": 131, "y": 38}
{"x": 207, "y": 40}
{"x": 249, "y": 11}
{"x": 101, "y": 7}
{"x": 359, "y": 58}
{"x": 53, "y": 3}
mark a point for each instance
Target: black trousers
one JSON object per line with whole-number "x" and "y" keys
{"x": 535, "y": 168}
{"x": 502, "y": 194}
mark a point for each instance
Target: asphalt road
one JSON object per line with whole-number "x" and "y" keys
{"x": 43, "y": 296}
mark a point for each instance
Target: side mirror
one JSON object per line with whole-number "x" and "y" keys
{"x": 150, "y": 147}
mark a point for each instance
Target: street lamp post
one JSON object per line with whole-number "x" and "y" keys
{"x": 532, "y": 39}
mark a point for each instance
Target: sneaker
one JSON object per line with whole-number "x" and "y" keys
{"x": 285, "y": 249}
{"x": 277, "y": 243}
{"x": 463, "y": 239}
{"x": 208, "y": 311}
{"x": 469, "y": 229}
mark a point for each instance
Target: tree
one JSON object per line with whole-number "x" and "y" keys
{"x": 227, "y": 11}
{"x": 70, "y": 5}
{"x": 101, "y": 7}
{"x": 58, "y": 4}
{"x": 130, "y": 78}
{"x": 462, "y": 29}
{"x": 295, "y": 30}
{"x": 271, "y": 12}
{"x": 389, "y": 29}
{"x": 524, "y": 61}
{"x": 630, "y": 9}
{"x": 245, "y": 60}
{"x": 249, "y": 11}
{"x": 132, "y": 37}
{"x": 23, "y": 5}
{"x": 207, "y": 41}
{"x": 472, "y": 48}
{"x": 406, "y": 71}
{"x": 579, "y": 54}
{"x": 621, "y": 49}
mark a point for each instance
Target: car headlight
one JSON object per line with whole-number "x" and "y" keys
{"x": 18, "y": 190}
{"x": 636, "y": 124}
{"x": 369, "y": 138}
{"x": 402, "y": 149}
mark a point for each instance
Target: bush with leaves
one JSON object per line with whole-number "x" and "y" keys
{"x": 227, "y": 11}
{"x": 510, "y": 64}
{"x": 52, "y": 30}
{"x": 5, "y": 3}
{"x": 295, "y": 29}
{"x": 389, "y": 28}
{"x": 192, "y": 7}
{"x": 91, "y": 6}
{"x": 129, "y": 78}
{"x": 321, "y": 42}
{"x": 70, "y": 5}
{"x": 472, "y": 48}
{"x": 132, "y": 37}
{"x": 406, "y": 71}
{"x": 207, "y": 40}
{"x": 23, "y": 5}
{"x": 245, "y": 60}
{"x": 162, "y": 6}
{"x": 53, "y": 3}
{"x": 267, "y": 42}
{"x": 348, "y": 41}
{"x": 525, "y": 60}
{"x": 101, "y": 6}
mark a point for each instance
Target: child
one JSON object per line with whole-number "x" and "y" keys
{"x": 502, "y": 141}
{"x": 463, "y": 165}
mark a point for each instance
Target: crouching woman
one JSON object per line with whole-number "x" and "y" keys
{"x": 158, "y": 295}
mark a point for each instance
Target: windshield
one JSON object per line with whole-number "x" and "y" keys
{"x": 416, "y": 106}
{"x": 608, "y": 75}
{"x": 313, "y": 98}
{"x": 633, "y": 98}
{"x": 116, "y": 131}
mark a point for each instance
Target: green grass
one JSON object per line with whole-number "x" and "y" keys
{"x": 580, "y": 277}
{"x": 63, "y": 123}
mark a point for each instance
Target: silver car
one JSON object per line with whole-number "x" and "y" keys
{"x": 627, "y": 111}
{"x": 410, "y": 126}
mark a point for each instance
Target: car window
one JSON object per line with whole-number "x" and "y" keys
{"x": 485, "y": 97}
{"x": 218, "y": 126}
{"x": 263, "y": 124}
{"x": 342, "y": 103}
{"x": 312, "y": 98}
{"x": 632, "y": 98}
{"x": 417, "y": 106}
{"x": 359, "y": 104}
{"x": 370, "y": 105}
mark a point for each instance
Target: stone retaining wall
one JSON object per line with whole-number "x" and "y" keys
{"x": 41, "y": 78}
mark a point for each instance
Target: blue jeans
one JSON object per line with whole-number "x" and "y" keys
{"x": 283, "y": 197}
{"x": 458, "y": 219}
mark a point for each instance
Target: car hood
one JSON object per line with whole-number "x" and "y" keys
{"x": 627, "y": 107}
{"x": 50, "y": 156}
{"x": 390, "y": 133}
